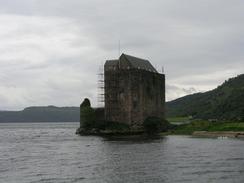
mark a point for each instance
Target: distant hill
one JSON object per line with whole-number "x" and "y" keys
{"x": 42, "y": 114}
{"x": 224, "y": 102}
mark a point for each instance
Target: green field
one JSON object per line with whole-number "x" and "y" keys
{"x": 200, "y": 125}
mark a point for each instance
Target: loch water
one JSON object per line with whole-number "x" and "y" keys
{"x": 51, "y": 152}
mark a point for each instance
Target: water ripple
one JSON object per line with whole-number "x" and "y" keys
{"x": 51, "y": 152}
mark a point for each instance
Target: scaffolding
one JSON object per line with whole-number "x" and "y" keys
{"x": 100, "y": 87}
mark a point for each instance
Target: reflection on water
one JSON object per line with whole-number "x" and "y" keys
{"x": 51, "y": 152}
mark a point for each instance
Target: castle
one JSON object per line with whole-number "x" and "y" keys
{"x": 134, "y": 90}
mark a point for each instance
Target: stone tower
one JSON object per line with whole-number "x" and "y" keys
{"x": 134, "y": 90}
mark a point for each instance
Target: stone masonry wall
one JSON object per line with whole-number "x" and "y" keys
{"x": 131, "y": 95}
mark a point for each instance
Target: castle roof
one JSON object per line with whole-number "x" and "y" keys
{"x": 132, "y": 62}
{"x": 138, "y": 63}
{"x": 112, "y": 62}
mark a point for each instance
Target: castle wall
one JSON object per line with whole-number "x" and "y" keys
{"x": 131, "y": 95}
{"x": 148, "y": 96}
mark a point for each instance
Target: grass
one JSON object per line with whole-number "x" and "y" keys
{"x": 228, "y": 126}
{"x": 177, "y": 120}
{"x": 201, "y": 125}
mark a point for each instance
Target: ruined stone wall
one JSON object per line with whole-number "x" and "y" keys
{"x": 131, "y": 95}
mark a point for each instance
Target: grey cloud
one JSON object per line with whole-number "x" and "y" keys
{"x": 173, "y": 91}
{"x": 200, "y": 43}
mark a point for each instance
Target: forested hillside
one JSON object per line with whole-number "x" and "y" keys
{"x": 224, "y": 102}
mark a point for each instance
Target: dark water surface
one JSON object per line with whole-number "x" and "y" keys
{"x": 51, "y": 152}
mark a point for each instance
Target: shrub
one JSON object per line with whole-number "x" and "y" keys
{"x": 155, "y": 125}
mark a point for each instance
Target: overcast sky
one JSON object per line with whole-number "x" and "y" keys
{"x": 50, "y": 50}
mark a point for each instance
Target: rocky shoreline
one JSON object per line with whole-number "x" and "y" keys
{"x": 81, "y": 131}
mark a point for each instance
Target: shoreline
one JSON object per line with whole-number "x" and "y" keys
{"x": 83, "y": 132}
{"x": 230, "y": 134}
{"x": 212, "y": 134}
